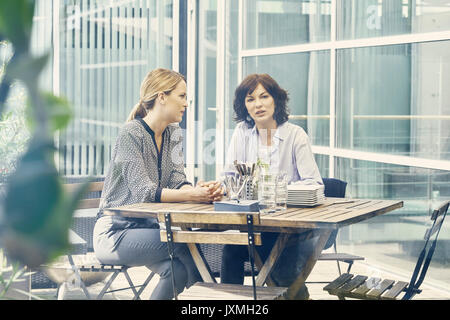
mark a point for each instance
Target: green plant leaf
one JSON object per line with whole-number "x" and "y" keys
{"x": 33, "y": 189}
{"x": 56, "y": 231}
{"x": 27, "y": 68}
{"x": 16, "y": 19}
{"x": 58, "y": 110}
{"x": 38, "y": 212}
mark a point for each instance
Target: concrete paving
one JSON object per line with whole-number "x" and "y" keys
{"x": 379, "y": 265}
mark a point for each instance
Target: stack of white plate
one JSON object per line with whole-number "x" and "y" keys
{"x": 305, "y": 195}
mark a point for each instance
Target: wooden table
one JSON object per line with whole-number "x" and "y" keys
{"x": 323, "y": 219}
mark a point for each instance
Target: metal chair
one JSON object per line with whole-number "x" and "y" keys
{"x": 362, "y": 287}
{"x": 83, "y": 264}
{"x": 213, "y": 290}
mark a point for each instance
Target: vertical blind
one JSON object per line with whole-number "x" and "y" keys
{"x": 105, "y": 50}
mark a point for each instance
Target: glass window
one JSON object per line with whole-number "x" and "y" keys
{"x": 392, "y": 99}
{"x": 206, "y": 86}
{"x": 231, "y": 65}
{"x": 395, "y": 239}
{"x": 389, "y": 99}
{"x": 279, "y": 23}
{"x": 420, "y": 188}
{"x": 206, "y": 90}
{"x": 323, "y": 164}
{"x": 376, "y": 18}
{"x": 106, "y": 49}
{"x": 306, "y": 78}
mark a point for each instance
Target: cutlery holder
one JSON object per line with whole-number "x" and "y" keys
{"x": 251, "y": 190}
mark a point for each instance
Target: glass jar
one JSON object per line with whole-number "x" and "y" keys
{"x": 266, "y": 192}
{"x": 281, "y": 191}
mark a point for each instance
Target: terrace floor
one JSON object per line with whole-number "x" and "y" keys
{"x": 377, "y": 263}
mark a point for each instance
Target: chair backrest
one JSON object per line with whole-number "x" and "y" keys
{"x": 437, "y": 219}
{"x": 84, "y": 220}
{"x": 92, "y": 198}
{"x": 333, "y": 188}
{"x": 193, "y": 237}
{"x": 211, "y": 237}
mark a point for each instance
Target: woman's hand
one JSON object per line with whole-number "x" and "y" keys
{"x": 201, "y": 193}
{"x": 215, "y": 189}
{"x": 187, "y": 193}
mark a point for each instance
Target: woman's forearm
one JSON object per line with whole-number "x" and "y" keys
{"x": 176, "y": 195}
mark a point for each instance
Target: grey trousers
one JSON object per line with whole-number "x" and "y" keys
{"x": 132, "y": 243}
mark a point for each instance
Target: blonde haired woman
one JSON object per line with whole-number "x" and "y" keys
{"x": 147, "y": 166}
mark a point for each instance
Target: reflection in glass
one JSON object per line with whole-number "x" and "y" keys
{"x": 323, "y": 164}
{"x": 394, "y": 239}
{"x": 302, "y": 75}
{"x": 206, "y": 83}
{"x": 231, "y": 65}
{"x": 206, "y": 90}
{"x": 278, "y": 22}
{"x": 392, "y": 99}
{"x": 374, "y": 18}
{"x": 420, "y": 188}
{"x": 106, "y": 49}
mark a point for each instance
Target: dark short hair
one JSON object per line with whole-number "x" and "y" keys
{"x": 248, "y": 85}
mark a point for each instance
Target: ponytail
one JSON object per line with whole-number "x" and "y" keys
{"x": 137, "y": 112}
{"x": 155, "y": 82}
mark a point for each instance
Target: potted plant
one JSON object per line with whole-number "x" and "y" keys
{"x": 35, "y": 211}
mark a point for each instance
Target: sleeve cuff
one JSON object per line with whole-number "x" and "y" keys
{"x": 182, "y": 184}
{"x": 158, "y": 195}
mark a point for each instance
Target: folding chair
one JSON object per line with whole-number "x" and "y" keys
{"x": 362, "y": 287}
{"x": 213, "y": 290}
{"x": 84, "y": 262}
{"x": 115, "y": 270}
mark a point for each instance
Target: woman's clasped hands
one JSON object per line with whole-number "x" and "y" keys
{"x": 209, "y": 191}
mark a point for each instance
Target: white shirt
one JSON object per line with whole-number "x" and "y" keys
{"x": 290, "y": 151}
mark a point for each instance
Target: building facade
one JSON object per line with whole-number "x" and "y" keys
{"x": 368, "y": 80}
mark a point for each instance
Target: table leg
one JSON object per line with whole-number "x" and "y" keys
{"x": 202, "y": 266}
{"x": 272, "y": 258}
{"x": 200, "y": 262}
{"x": 324, "y": 234}
{"x": 259, "y": 264}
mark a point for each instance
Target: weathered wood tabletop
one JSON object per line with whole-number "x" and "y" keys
{"x": 323, "y": 219}
{"x": 333, "y": 213}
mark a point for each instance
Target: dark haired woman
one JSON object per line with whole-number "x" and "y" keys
{"x": 263, "y": 132}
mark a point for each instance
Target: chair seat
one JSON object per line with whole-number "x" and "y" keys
{"x": 340, "y": 257}
{"x": 85, "y": 262}
{"x": 61, "y": 270}
{"x": 362, "y": 287}
{"x": 222, "y": 291}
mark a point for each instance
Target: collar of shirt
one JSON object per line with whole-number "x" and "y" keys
{"x": 281, "y": 133}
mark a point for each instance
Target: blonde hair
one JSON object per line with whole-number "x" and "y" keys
{"x": 155, "y": 82}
